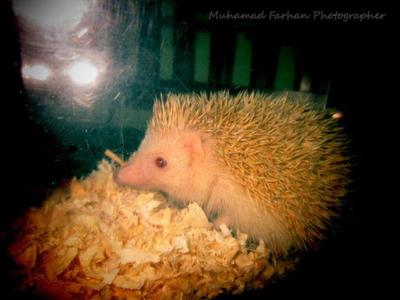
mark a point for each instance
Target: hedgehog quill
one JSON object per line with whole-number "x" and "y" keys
{"x": 273, "y": 168}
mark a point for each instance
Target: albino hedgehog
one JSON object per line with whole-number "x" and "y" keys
{"x": 273, "y": 168}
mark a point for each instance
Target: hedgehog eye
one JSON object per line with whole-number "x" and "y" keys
{"x": 161, "y": 162}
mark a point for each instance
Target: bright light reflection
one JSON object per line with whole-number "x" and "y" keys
{"x": 52, "y": 13}
{"x": 82, "y": 32}
{"x": 38, "y": 72}
{"x": 337, "y": 115}
{"x": 82, "y": 72}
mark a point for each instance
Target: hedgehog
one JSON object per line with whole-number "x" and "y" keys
{"x": 273, "y": 168}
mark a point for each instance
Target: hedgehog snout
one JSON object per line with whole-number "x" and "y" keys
{"x": 120, "y": 176}
{"x": 130, "y": 174}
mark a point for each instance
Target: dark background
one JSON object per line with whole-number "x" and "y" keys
{"x": 359, "y": 58}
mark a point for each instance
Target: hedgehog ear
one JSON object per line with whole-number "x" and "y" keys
{"x": 194, "y": 145}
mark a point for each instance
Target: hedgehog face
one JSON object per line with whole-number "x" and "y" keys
{"x": 167, "y": 163}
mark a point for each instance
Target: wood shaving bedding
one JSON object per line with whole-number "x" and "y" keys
{"x": 99, "y": 240}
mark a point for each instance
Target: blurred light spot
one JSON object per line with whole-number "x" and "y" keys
{"x": 52, "y": 13}
{"x": 82, "y": 32}
{"x": 337, "y": 115}
{"x": 38, "y": 72}
{"x": 82, "y": 72}
{"x": 117, "y": 95}
{"x": 305, "y": 84}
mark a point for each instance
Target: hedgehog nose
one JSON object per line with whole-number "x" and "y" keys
{"x": 122, "y": 177}
{"x": 130, "y": 174}
{"x": 116, "y": 176}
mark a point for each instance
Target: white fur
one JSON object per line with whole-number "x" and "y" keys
{"x": 237, "y": 210}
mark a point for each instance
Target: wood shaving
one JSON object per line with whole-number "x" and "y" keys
{"x": 98, "y": 240}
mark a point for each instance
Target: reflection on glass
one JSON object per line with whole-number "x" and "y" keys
{"x": 82, "y": 72}
{"x": 52, "y": 13}
{"x": 37, "y": 72}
